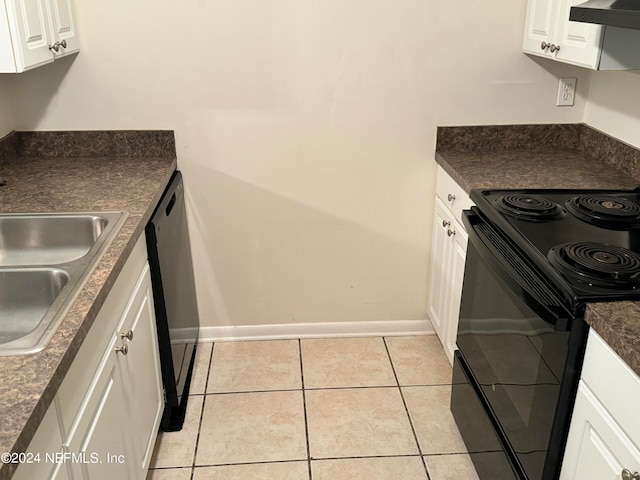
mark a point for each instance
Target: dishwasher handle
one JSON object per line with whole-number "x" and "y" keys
{"x": 172, "y": 196}
{"x": 172, "y": 202}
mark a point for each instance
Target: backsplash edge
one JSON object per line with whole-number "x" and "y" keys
{"x": 96, "y": 143}
{"x": 574, "y": 136}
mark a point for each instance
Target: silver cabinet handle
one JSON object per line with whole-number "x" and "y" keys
{"x": 554, "y": 48}
{"x": 544, "y": 45}
{"x": 450, "y": 232}
{"x": 128, "y": 335}
{"x": 445, "y": 224}
{"x": 451, "y": 197}
{"x": 124, "y": 349}
{"x": 627, "y": 475}
{"x": 56, "y": 46}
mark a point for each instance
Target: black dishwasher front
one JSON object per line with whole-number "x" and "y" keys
{"x": 174, "y": 296}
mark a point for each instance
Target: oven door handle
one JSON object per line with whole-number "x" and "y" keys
{"x": 515, "y": 271}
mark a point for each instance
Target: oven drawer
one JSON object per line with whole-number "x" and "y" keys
{"x": 477, "y": 431}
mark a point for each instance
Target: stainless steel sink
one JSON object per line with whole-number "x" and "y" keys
{"x": 47, "y": 239}
{"x": 45, "y": 260}
{"x": 26, "y": 296}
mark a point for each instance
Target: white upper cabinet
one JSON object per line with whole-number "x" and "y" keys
{"x": 579, "y": 42}
{"x": 549, "y": 33}
{"x": 539, "y": 26}
{"x": 35, "y": 32}
{"x": 63, "y": 26}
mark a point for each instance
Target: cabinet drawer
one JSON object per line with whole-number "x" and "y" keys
{"x": 615, "y": 385}
{"x": 452, "y": 195}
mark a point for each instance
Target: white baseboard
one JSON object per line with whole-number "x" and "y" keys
{"x": 316, "y": 330}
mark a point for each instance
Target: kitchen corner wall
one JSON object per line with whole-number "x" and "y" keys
{"x": 614, "y": 105}
{"x": 305, "y": 131}
{"x": 6, "y": 113}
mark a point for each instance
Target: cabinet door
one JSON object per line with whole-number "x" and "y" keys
{"x": 47, "y": 445}
{"x": 440, "y": 266}
{"x": 141, "y": 373}
{"x": 63, "y": 26}
{"x": 101, "y": 434}
{"x": 30, "y": 32}
{"x": 539, "y": 26}
{"x": 448, "y": 256}
{"x": 456, "y": 275}
{"x": 597, "y": 447}
{"x": 580, "y": 43}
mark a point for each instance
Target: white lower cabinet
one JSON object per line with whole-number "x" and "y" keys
{"x": 449, "y": 250}
{"x": 101, "y": 434}
{"x": 45, "y": 445}
{"x": 604, "y": 439}
{"x": 598, "y": 449}
{"x": 141, "y": 375}
{"x": 105, "y": 416}
{"x": 448, "y": 255}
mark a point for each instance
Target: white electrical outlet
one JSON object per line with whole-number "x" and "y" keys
{"x": 566, "y": 91}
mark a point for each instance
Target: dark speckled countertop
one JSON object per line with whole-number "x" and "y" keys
{"x": 74, "y": 171}
{"x": 551, "y": 156}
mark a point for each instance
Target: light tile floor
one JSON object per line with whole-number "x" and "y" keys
{"x": 319, "y": 409}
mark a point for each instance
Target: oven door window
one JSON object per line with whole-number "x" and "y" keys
{"x": 516, "y": 356}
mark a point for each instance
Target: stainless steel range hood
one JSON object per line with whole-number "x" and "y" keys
{"x": 614, "y": 13}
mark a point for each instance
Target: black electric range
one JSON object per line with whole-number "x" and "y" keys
{"x": 586, "y": 241}
{"x": 535, "y": 259}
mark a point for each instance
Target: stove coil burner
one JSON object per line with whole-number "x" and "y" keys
{"x": 528, "y": 207}
{"x": 606, "y": 211}
{"x": 598, "y": 264}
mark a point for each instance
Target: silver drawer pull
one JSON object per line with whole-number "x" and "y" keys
{"x": 451, "y": 197}
{"x": 128, "y": 335}
{"x": 445, "y": 224}
{"x": 451, "y": 232}
{"x": 627, "y": 475}
{"x": 124, "y": 349}
{"x": 544, "y": 45}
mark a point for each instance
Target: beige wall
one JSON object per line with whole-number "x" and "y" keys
{"x": 6, "y": 114}
{"x": 614, "y": 105}
{"x": 305, "y": 131}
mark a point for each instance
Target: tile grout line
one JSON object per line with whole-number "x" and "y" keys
{"x": 406, "y": 408}
{"x": 204, "y": 399}
{"x": 304, "y": 404}
{"x": 254, "y": 391}
{"x": 380, "y": 386}
{"x": 311, "y": 389}
{"x": 242, "y": 464}
{"x": 269, "y": 462}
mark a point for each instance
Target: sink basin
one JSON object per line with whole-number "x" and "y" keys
{"x": 26, "y": 296}
{"x": 47, "y": 239}
{"x": 45, "y": 260}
